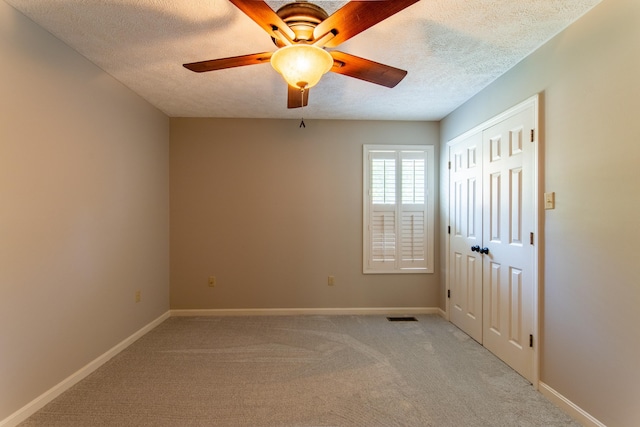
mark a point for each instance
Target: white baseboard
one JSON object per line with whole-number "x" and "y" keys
{"x": 32, "y": 407}
{"x": 568, "y": 406}
{"x": 307, "y": 311}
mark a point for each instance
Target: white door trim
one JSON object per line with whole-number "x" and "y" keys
{"x": 537, "y": 227}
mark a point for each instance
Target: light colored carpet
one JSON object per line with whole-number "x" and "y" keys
{"x": 303, "y": 371}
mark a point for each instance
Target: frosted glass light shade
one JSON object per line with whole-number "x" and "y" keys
{"x": 301, "y": 65}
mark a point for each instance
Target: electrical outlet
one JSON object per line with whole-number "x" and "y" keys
{"x": 331, "y": 281}
{"x": 212, "y": 281}
{"x": 138, "y": 296}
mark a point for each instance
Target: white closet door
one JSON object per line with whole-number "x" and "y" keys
{"x": 508, "y": 220}
{"x": 465, "y": 217}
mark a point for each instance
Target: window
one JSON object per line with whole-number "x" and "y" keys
{"x": 398, "y": 208}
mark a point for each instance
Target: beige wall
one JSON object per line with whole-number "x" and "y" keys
{"x": 589, "y": 77}
{"x": 271, "y": 210}
{"x": 84, "y": 211}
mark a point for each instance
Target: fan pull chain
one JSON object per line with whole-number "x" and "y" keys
{"x": 302, "y": 125}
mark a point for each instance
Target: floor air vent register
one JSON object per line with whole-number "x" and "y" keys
{"x": 402, "y": 319}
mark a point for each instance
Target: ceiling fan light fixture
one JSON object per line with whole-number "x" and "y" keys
{"x": 301, "y": 65}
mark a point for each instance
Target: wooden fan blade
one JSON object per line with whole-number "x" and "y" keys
{"x": 364, "y": 69}
{"x": 264, "y": 16}
{"x": 222, "y": 63}
{"x": 294, "y": 97}
{"x": 356, "y": 16}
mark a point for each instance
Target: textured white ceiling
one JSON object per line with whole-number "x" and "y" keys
{"x": 451, "y": 49}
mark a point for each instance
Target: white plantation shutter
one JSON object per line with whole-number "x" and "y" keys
{"x": 383, "y": 180}
{"x": 413, "y": 178}
{"x": 412, "y": 238}
{"x": 383, "y": 224}
{"x": 412, "y": 210}
{"x": 383, "y": 237}
{"x": 398, "y": 229}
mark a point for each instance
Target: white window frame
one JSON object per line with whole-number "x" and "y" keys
{"x": 396, "y": 210}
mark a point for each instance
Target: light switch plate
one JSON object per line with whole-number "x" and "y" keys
{"x": 549, "y": 200}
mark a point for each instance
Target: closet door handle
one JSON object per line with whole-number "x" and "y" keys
{"x": 484, "y": 251}
{"x": 475, "y": 248}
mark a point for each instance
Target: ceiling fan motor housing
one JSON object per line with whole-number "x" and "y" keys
{"x": 302, "y": 18}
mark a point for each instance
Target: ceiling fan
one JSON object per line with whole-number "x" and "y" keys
{"x": 301, "y": 30}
